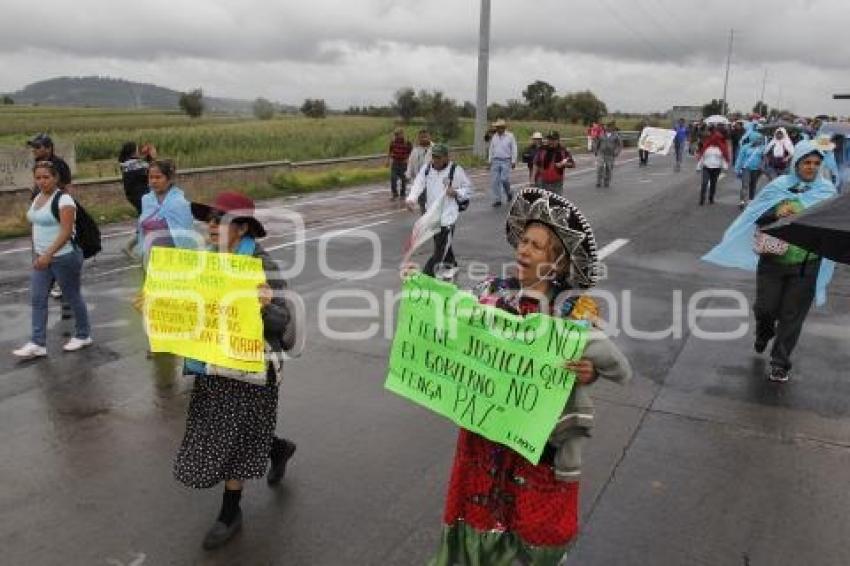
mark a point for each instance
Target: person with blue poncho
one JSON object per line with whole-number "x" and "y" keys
{"x": 166, "y": 217}
{"x": 748, "y": 167}
{"x": 750, "y": 129}
{"x": 788, "y": 278}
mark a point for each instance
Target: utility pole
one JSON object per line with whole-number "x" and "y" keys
{"x": 763, "y": 83}
{"x": 723, "y": 104}
{"x": 481, "y": 93}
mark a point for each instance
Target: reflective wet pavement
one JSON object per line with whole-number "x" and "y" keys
{"x": 698, "y": 461}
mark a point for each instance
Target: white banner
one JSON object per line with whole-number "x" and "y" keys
{"x": 656, "y": 140}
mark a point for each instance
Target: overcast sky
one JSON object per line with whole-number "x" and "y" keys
{"x": 636, "y": 55}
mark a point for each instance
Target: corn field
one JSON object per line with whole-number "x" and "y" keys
{"x": 216, "y": 139}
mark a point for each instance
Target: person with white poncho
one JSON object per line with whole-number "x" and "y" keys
{"x": 448, "y": 190}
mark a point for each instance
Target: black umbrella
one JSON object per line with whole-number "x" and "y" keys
{"x": 824, "y": 229}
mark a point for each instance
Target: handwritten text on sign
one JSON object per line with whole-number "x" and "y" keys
{"x": 656, "y": 140}
{"x": 494, "y": 373}
{"x": 204, "y": 305}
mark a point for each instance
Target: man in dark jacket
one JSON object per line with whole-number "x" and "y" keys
{"x": 42, "y": 150}
{"x": 530, "y": 152}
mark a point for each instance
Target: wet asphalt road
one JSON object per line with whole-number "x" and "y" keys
{"x": 697, "y": 461}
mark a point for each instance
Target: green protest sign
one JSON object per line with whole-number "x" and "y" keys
{"x": 492, "y": 372}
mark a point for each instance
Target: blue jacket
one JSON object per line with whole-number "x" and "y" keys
{"x": 750, "y": 154}
{"x": 736, "y": 248}
{"x": 750, "y": 129}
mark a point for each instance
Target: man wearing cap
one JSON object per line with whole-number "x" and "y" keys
{"x": 419, "y": 158}
{"x": 446, "y": 186}
{"x": 550, "y": 163}
{"x": 502, "y": 156}
{"x": 530, "y": 153}
{"x": 397, "y": 156}
{"x": 42, "y": 150}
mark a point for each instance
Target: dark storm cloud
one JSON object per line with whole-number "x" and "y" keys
{"x": 656, "y": 30}
{"x": 673, "y": 50}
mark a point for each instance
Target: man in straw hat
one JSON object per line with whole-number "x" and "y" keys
{"x": 502, "y": 158}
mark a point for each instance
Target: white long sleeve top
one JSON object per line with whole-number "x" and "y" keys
{"x": 434, "y": 184}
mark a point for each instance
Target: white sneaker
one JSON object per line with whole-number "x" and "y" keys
{"x": 56, "y": 293}
{"x": 30, "y": 350}
{"x": 75, "y": 344}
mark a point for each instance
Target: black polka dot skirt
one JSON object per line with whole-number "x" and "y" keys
{"x": 229, "y": 431}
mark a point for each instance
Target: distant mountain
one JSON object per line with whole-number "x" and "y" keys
{"x": 116, "y": 93}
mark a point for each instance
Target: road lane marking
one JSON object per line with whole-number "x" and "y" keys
{"x": 611, "y": 247}
{"x": 328, "y": 234}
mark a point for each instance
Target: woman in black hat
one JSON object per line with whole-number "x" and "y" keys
{"x": 232, "y": 414}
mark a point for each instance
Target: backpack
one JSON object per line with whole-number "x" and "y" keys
{"x": 462, "y": 204}
{"x": 86, "y": 233}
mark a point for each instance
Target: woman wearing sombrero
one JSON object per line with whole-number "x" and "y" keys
{"x": 230, "y": 427}
{"x": 501, "y": 508}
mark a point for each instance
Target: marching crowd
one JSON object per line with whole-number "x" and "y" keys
{"x": 499, "y": 506}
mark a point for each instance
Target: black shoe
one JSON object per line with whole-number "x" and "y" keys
{"x": 510, "y": 196}
{"x": 282, "y": 451}
{"x": 702, "y": 203}
{"x": 497, "y": 203}
{"x": 220, "y": 533}
{"x": 761, "y": 342}
{"x": 598, "y": 185}
{"x": 779, "y": 375}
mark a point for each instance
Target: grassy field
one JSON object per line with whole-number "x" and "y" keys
{"x": 217, "y": 139}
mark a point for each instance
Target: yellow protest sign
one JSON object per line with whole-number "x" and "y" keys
{"x": 204, "y": 305}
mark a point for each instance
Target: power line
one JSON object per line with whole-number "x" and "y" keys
{"x": 625, "y": 24}
{"x": 670, "y": 30}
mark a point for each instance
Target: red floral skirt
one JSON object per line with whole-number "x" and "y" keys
{"x": 495, "y": 490}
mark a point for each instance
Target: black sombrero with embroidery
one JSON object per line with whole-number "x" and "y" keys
{"x": 568, "y": 223}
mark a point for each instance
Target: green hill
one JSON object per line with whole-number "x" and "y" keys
{"x": 105, "y": 92}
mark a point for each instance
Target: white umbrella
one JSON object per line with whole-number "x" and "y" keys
{"x": 717, "y": 119}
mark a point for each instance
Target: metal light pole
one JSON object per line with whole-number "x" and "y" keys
{"x": 723, "y": 105}
{"x": 483, "y": 66}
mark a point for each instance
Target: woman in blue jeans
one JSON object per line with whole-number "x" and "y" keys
{"x": 56, "y": 259}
